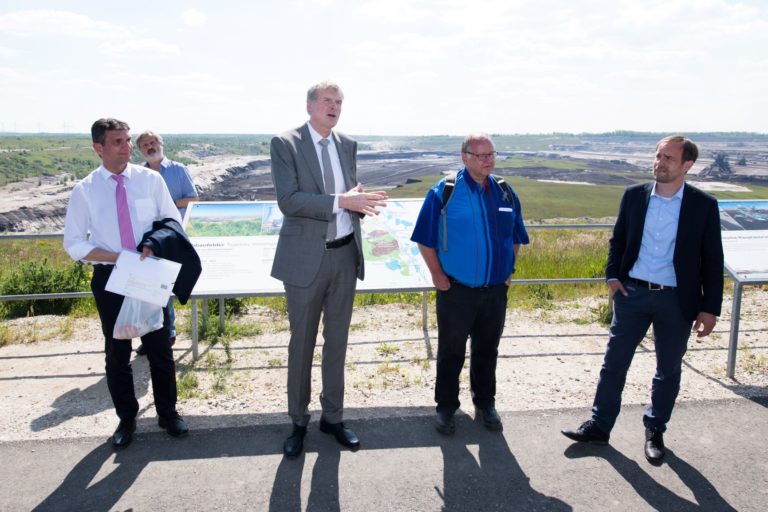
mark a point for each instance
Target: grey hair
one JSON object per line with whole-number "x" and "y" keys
{"x": 322, "y": 86}
{"x": 475, "y": 137}
{"x": 150, "y": 133}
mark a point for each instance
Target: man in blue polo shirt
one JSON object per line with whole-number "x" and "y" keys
{"x": 469, "y": 238}
{"x": 180, "y": 185}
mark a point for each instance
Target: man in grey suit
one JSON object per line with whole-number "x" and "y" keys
{"x": 314, "y": 170}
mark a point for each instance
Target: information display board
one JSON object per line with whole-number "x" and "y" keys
{"x": 745, "y": 238}
{"x": 236, "y": 242}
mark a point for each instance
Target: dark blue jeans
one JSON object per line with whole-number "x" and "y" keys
{"x": 477, "y": 313}
{"x": 632, "y": 316}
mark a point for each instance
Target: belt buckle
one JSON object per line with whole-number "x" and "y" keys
{"x": 655, "y": 287}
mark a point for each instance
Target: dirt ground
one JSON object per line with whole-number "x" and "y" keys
{"x": 548, "y": 358}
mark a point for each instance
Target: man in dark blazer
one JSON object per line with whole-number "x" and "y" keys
{"x": 665, "y": 268}
{"x": 319, "y": 255}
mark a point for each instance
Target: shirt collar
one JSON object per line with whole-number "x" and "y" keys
{"x": 106, "y": 174}
{"x": 316, "y": 137}
{"x": 472, "y": 184}
{"x": 678, "y": 194}
{"x": 164, "y": 163}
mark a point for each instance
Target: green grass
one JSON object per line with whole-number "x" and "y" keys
{"x": 542, "y": 200}
{"x": 757, "y": 192}
{"x": 15, "y": 251}
{"x": 33, "y": 156}
{"x": 561, "y": 200}
{"x": 522, "y": 162}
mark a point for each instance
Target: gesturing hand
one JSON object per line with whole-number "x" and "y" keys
{"x": 357, "y": 200}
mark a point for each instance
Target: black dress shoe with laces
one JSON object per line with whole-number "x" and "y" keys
{"x": 293, "y": 446}
{"x": 174, "y": 425}
{"x": 141, "y": 350}
{"x": 344, "y": 436}
{"x": 124, "y": 433}
{"x": 654, "y": 446}
{"x": 588, "y": 432}
{"x": 490, "y": 418}
{"x": 444, "y": 423}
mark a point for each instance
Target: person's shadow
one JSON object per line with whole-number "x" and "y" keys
{"x": 77, "y": 487}
{"x": 324, "y": 490}
{"x": 655, "y": 494}
{"x": 493, "y": 481}
{"x": 90, "y": 400}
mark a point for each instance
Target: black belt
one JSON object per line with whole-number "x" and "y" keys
{"x": 455, "y": 281}
{"x": 651, "y": 286}
{"x": 339, "y": 242}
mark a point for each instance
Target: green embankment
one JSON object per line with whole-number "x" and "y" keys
{"x": 32, "y": 156}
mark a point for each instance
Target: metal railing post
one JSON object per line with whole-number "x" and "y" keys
{"x": 194, "y": 329}
{"x": 734, "y": 339}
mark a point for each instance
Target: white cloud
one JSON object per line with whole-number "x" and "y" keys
{"x": 7, "y": 52}
{"x": 52, "y": 23}
{"x": 193, "y": 18}
{"x": 145, "y": 47}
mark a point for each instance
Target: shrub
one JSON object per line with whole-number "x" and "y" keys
{"x": 32, "y": 277}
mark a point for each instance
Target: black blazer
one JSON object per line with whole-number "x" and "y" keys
{"x": 168, "y": 240}
{"x": 698, "y": 257}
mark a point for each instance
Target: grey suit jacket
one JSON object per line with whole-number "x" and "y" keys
{"x": 306, "y": 208}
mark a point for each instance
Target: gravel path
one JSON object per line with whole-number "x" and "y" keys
{"x": 55, "y": 387}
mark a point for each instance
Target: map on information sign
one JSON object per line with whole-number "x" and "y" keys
{"x": 391, "y": 259}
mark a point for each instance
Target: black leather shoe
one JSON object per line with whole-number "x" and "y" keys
{"x": 124, "y": 433}
{"x": 444, "y": 423}
{"x": 293, "y": 446}
{"x": 343, "y": 435}
{"x": 141, "y": 350}
{"x": 588, "y": 432}
{"x": 174, "y": 425}
{"x": 490, "y": 418}
{"x": 654, "y": 446}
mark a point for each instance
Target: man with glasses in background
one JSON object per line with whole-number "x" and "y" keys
{"x": 469, "y": 231}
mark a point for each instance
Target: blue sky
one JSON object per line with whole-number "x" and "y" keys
{"x": 408, "y": 67}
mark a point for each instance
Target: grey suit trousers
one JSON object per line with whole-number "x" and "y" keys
{"x": 332, "y": 293}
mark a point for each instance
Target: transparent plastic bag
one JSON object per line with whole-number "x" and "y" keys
{"x": 137, "y": 318}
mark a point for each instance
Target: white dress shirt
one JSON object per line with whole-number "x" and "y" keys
{"x": 343, "y": 221}
{"x": 92, "y": 209}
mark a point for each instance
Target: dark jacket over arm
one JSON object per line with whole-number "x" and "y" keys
{"x": 168, "y": 240}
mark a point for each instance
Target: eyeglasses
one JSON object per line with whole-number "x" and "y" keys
{"x": 482, "y": 156}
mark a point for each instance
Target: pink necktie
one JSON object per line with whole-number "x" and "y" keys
{"x": 123, "y": 214}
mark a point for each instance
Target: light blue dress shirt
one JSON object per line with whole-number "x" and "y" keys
{"x": 178, "y": 180}
{"x": 657, "y": 249}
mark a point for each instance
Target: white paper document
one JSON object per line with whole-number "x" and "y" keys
{"x": 150, "y": 280}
